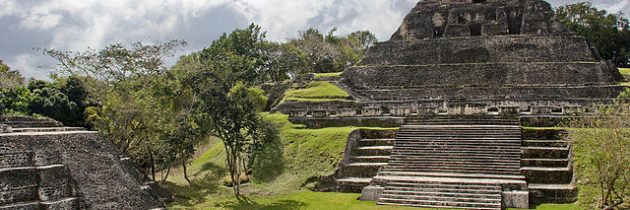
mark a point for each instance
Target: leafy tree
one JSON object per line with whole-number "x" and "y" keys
{"x": 15, "y": 100}
{"x": 610, "y": 33}
{"x": 128, "y": 82}
{"x": 603, "y": 154}
{"x": 225, "y": 75}
{"x": 331, "y": 53}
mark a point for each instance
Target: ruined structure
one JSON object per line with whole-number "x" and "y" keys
{"x": 460, "y": 77}
{"x": 67, "y": 169}
{"x": 453, "y": 57}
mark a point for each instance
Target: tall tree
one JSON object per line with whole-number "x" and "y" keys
{"x": 610, "y": 33}
{"x": 225, "y": 75}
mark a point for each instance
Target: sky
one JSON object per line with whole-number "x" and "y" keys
{"x": 77, "y": 25}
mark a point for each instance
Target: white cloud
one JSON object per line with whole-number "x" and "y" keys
{"x": 616, "y": 7}
{"x": 78, "y": 24}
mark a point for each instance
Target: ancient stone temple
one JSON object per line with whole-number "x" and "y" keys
{"x": 45, "y": 166}
{"x": 459, "y": 77}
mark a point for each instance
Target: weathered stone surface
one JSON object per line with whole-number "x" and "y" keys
{"x": 464, "y": 18}
{"x": 69, "y": 165}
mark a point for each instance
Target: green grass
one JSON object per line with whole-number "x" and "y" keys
{"x": 624, "y": 71}
{"x": 317, "y": 91}
{"x": 289, "y": 165}
{"x": 334, "y": 74}
{"x": 554, "y": 207}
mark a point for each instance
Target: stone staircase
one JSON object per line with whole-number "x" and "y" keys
{"x": 547, "y": 166}
{"x": 366, "y": 153}
{"x": 455, "y": 162}
{"x": 28, "y": 181}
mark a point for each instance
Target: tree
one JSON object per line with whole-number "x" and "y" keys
{"x": 225, "y": 75}
{"x": 602, "y": 153}
{"x": 9, "y": 78}
{"x": 331, "y": 53}
{"x": 127, "y": 79}
{"x": 610, "y": 33}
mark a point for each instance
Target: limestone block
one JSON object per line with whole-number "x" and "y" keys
{"x": 54, "y": 183}
{"x": 516, "y": 199}
{"x": 371, "y": 193}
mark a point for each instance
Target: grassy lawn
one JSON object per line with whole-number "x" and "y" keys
{"x": 289, "y": 165}
{"x": 624, "y": 71}
{"x": 317, "y": 91}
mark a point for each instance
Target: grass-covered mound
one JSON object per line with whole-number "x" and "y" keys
{"x": 288, "y": 166}
{"x": 317, "y": 91}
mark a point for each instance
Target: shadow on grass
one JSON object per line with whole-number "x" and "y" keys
{"x": 270, "y": 162}
{"x": 247, "y": 204}
{"x": 200, "y": 187}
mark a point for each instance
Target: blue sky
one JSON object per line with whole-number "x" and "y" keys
{"x": 26, "y": 25}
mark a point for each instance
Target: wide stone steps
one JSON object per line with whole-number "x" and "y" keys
{"x": 442, "y": 194}
{"x": 545, "y": 162}
{"x": 447, "y": 162}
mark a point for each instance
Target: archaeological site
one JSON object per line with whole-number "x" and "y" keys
{"x": 460, "y": 78}
{"x": 464, "y": 107}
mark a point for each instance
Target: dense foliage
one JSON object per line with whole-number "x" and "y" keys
{"x": 610, "y": 33}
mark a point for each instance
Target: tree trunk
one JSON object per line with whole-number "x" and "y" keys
{"x": 152, "y": 164}
{"x": 185, "y": 173}
{"x": 168, "y": 170}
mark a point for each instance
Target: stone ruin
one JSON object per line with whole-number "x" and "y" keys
{"x": 460, "y": 77}
{"x": 471, "y": 57}
{"x": 44, "y": 166}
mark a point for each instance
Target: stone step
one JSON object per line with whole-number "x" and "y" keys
{"x": 442, "y": 158}
{"x": 450, "y": 138}
{"x": 434, "y": 206}
{"x": 545, "y": 143}
{"x": 453, "y": 170}
{"x": 396, "y": 162}
{"x": 460, "y": 143}
{"x": 450, "y": 180}
{"x": 370, "y": 159}
{"x": 553, "y": 193}
{"x": 431, "y": 168}
{"x": 361, "y": 169}
{"x": 444, "y": 197}
{"x": 493, "y": 148}
{"x": 352, "y": 184}
{"x": 30, "y": 205}
{"x": 454, "y": 175}
{"x": 413, "y": 150}
{"x": 545, "y": 152}
{"x": 432, "y": 203}
{"x": 548, "y": 175}
{"x": 483, "y": 194}
{"x": 373, "y": 151}
{"x": 70, "y": 203}
{"x": 376, "y": 142}
{"x": 459, "y": 136}
{"x": 413, "y": 188}
{"x": 47, "y": 129}
{"x": 455, "y": 156}
{"x": 545, "y": 162}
